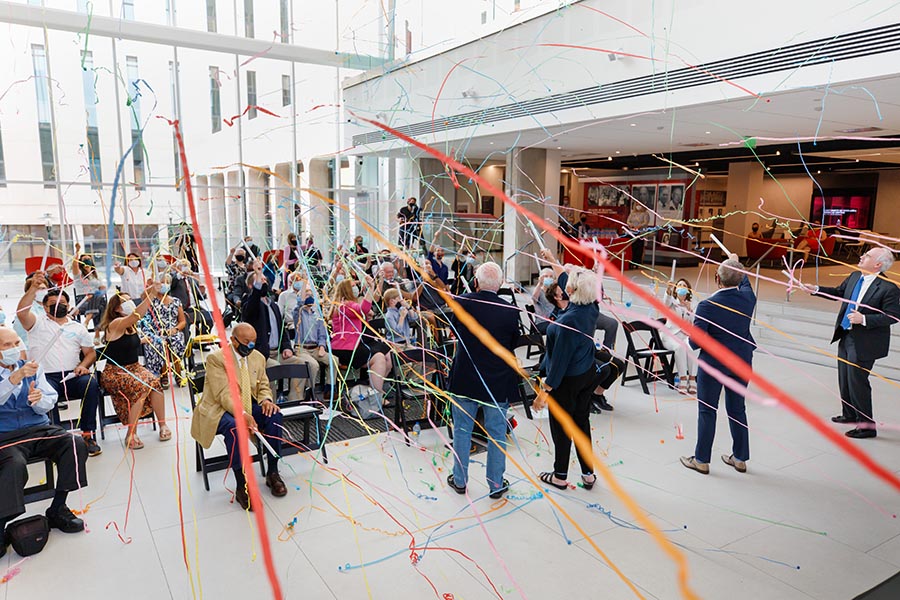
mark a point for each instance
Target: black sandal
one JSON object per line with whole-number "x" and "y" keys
{"x": 588, "y": 484}
{"x": 548, "y": 479}
{"x": 456, "y": 488}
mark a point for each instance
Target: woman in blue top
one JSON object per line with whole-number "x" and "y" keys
{"x": 570, "y": 374}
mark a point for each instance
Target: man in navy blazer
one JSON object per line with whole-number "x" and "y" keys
{"x": 725, "y": 316}
{"x": 480, "y": 378}
{"x": 870, "y": 305}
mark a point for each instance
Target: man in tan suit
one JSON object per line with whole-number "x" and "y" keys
{"x": 214, "y": 413}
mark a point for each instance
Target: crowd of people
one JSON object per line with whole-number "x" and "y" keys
{"x": 354, "y": 315}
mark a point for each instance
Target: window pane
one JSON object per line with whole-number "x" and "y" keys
{"x": 285, "y": 90}
{"x": 248, "y": 18}
{"x": 2, "y": 162}
{"x": 128, "y": 10}
{"x": 214, "y": 100}
{"x": 93, "y": 154}
{"x": 285, "y": 23}
{"x": 211, "y": 16}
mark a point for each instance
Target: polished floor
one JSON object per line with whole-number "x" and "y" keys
{"x": 379, "y": 521}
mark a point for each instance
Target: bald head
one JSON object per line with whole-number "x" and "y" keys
{"x": 244, "y": 333}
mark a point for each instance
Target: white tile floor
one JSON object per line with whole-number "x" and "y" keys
{"x": 805, "y": 522}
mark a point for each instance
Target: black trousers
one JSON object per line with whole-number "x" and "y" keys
{"x": 609, "y": 368}
{"x": 853, "y": 381}
{"x": 67, "y": 451}
{"x": 574, "y": 396}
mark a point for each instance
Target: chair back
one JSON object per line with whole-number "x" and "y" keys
{"x": 631, "y": 327}
{"x": 281, "y": 375}
{"x": 507, "y": 294}
{"x": 195, "y": 387}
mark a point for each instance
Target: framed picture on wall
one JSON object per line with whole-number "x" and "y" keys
{"x": 601, "y": 194}
{"x": 670, "y": 201}
{"x": 487, "y": 205}
{"x": 642, "y": 203}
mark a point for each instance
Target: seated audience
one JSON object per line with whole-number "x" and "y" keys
{"x": 134, "y": 390}
{"x": 214, "y": 413}
{"x": 25, "y": 432}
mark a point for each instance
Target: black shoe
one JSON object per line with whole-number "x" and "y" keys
{"x": 600, "y": 399}
{"x": 595, "y": 404}
{"x": 860, "y": 434}
{"x": 843, "y": 419}
{"x": 63, "y": 519}
{"x": 456, "y": 488}
{"x": 498, "y": 493}
{"x": 62, "y": 404}
{"x": 241, "y": 497}
{"x": 93, "y": 448}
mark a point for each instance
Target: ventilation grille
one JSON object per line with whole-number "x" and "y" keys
{"x": 843, "y": 47}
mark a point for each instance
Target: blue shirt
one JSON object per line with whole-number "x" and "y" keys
{"x": 570, "y": 343}
{"x": 15, "y": 412}
{"x": 309, "y": 327}
{"x": 398, "y": 332}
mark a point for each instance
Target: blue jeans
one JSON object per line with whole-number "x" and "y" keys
{"x": 464, "y": 411}
{"x": 85, "y": 388}
{"x": 270, "y": 427}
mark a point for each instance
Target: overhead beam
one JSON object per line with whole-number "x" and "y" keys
{"x": 164, "y": 35}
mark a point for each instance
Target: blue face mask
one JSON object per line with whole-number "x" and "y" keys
{"x": 339, "y": 277}
{"x": 2, "y": 317}
{"x": 470, "y": 260}
{"x": 10, "y": 356}
{"x": 164, "y": 288}
{"x": 297, "y": 286}
{"x": 548, "y": 281}
{"x": 682, "y": 291}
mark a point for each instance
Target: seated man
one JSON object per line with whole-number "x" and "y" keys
{"x": 214, "y": 413}
{"x": 26, "y": 432}
{"x": 67, "y": 353}
{"x": 311, "y": 342}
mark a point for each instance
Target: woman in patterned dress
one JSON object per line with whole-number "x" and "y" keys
{"x": 134, "y": 390}
{"x": 161, "y": 331}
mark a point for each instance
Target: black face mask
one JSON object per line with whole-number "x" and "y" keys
{"x": 59, "y": 310}
{"x": 244, "y": 349}
{"x": 239, "y": 258}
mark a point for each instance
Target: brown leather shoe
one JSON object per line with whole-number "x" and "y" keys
{"x": 276, "y": 484}
{"x": 241, "y": 497}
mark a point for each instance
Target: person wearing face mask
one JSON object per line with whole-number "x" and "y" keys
{"x": 214, "y": 414}
{"x": 134, "y": 390}
{"x": 542, "y": 306}
{"x": 161, "y": 331}
{"x": 397, "y": 318}
{"x": 66, "y": 353}
{"x": 264, "y": 315}
{"x": 236, "y": 271}
{"x": 725, "y": 316}
{"x": 571, "y": 375}
{"x": 291, "y": 297}
{"x": 132, "y": 275}
{"x": 349, "y": 344}
{"x": 436, "y": 259}
{"x": 37, "y": 307}
{"x": 679, "y": 299}
{"x": 90, "y": 292}
{"x": 311, "y": 340}
{"x": 25, "y": 432}
{"x": 291, "y": 255}
{"x": 754, "y": 232}
{"x": 463, "y": 269}
{"x": 411, "y": 225}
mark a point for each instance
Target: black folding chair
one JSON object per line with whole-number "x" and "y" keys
{"x": 210, "y": 464}
{"x": 298, "y": 410}
{"x": 425, "y": 368}
{"x": 643, "y": 355}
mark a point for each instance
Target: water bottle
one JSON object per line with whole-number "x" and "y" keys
{"x": 677, "y": 381}
{"x": 416, "y": 430}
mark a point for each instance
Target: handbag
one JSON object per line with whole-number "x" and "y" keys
{"x": 363, "y": 401}
{"x": 29, "y": 535}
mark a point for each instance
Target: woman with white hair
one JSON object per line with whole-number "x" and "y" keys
{"x": 571, "y": 375}
{"x": 542, "y": 306}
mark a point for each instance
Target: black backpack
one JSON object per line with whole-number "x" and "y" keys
{"x": 29, "y": 535}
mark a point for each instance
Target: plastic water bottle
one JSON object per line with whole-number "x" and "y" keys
{"x": 677, "y": 381}
{"x": 416, "y": 430}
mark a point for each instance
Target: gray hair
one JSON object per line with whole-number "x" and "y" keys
{"x": 546, "y": 272}
{"x": 886, "y": 259}
{"x": 582, "y": 286}
{"x": 489, "y": 276}
{"x": 730, "y": 273}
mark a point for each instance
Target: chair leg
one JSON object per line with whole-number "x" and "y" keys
{"x": 321, "y": 439}
{"x": 642, "y": 374}
{"x": 201, "y": 466}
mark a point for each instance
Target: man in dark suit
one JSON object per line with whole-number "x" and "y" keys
{"x": 272, "y": 339}
{"x": 725, "y": 316}
{"x": 480, "y": 378}
{"x": 870, "y": 305}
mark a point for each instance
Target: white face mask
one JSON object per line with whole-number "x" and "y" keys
{"x": 40, "y": 295}
{"x": 355, "y": 291}
{"x": 11, "y": 355}
{"x": 127, "y": 307}
{"x": 134, "y": 263}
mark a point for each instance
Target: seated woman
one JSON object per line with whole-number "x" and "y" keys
{"x": 348, "y": 342}
{"x": 162, "y": 333}
{"x": 90, "y": 292}
{"x": 397, "y": 317}
{"x": 679, "y": 298}
{"x": 291, "y": 297}
{"x": 134, "y": 390}
{"x": 809, "y": 244}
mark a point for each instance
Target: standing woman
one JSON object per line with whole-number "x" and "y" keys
{"x": 134, "y": 390}
{"x": 291, "y": 254}
{"x": 680, "y": 299}
{"x": 88, "y": 285}
{"x": 571, "y": 375}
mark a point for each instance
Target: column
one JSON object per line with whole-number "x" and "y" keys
{"x": 745, "y": 180}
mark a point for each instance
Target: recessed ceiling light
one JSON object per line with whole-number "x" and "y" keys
{"x": 610, "y": 158}
{"x": 633, "y": 124}
{"x": 696, "y": 164}
{"x": 559, "y": 147}
{"x": 624, "y": 168}
{"x": 819, "y": 172}
{"x": 778, "y": 153}
{"x": 617, "y": 151}
{"x": 492, "y": 143}
{"x": 857, "y": 160}
{"x": 708, "y": 132}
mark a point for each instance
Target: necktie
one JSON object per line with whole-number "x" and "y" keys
{"x": 244, "y": 383}
{"x": 851, "y": 305}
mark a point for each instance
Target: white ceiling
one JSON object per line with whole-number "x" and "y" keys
{"x": 802, "y": 113}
